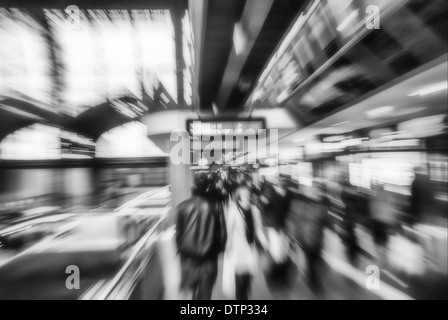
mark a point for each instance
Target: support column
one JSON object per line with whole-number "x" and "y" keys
{"x": 160, "y": 126}
{"x": 180, "y": 178}
{"x": 181, "y": 181}
{"x": 178, "y": 15}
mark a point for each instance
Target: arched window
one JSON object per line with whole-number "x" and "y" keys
{"x": 110, "y": 53}
{"x": 36, "y": 142}
{"x": 127, "y": 141}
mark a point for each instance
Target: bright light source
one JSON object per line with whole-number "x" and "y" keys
{"x": 189, "y": 58}
{"x": 392, "y": 133}
{"x": 349, "y": 20}
{"x": 123, "y": 108}
{"x": 36, "y": 142}
{"x": 74, "y": 156}
{"x": 129, "y": 140}
{"x": 272, "y": 162}
{"x": 203, "y": 162}
{"x": 305, "y": 173}
{"x": 425, "y": 126}
{"x": 25, "y": 64}
{"x": 282, "y": 96}
{"x": 430, "y": 89}
{"x": 399, "y": 143}
{"x": 165, "y": 98}
{"x": 340, "y": 124}
{"x": 352, "y": 142}
{"x": 239, "y": 39}
{"x": 113, "y": 52}
{"x": 323, "y": 130}
{"x": 307, "y": 182}
{"x": 380, "y": 112}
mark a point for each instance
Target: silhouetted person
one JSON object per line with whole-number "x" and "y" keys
{"x": 201, "y": 236}
{"x": 384, "y": 217}
{"x": 310, "y": 218}
{"x": 420, "y": 195}
{"x": 351, "y": 201}
{"x": 275, "y": 202}
{"x": 245, "y": 233}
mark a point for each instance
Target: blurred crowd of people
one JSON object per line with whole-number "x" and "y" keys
{"x": 230, "y": 214}
{"x": 262, "y": 225}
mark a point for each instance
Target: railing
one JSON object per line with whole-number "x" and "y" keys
{"x": 141, "y": 199}
{"x": 61, "y": 232}
{"x": 137, "y": 259}
{"x": 123, "y": 284}
{"x": 33, "y": 223}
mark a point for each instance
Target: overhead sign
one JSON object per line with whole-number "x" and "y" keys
{"x": 225, "y": 127}
{"x": 225, "y": 141}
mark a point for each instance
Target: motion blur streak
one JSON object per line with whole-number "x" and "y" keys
{"x": 311, "y": 152}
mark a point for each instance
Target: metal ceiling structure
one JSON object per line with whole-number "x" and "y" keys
{"x": 346, "y": 60}
{"x": 217, "y": 33}
{"x": 18, "y": 110}
{"x": 227, "y": 76}
{"x": 264, "y": 24}
{"x": 281, "y": 15}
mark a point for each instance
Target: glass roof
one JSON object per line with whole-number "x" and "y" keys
{"x": 128, "y": 141}
{"x": 25, "y": 68}
{"x": 36, "y": 142}
{"x": 100, "y": 55}
{"x": 111, "y": 52}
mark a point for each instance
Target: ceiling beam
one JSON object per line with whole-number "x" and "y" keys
{"x": 178, "y": 15}
{"x": 198, "y": 14}
{"x": 252, "y": 20}
{"x": 54, "y": 52}
{"x": 97, "y": 4}
{"x": 217, "y": 46}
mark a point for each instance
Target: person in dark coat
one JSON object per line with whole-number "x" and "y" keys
{"x": 309, "y": 218}
{"x": 201, "y": 236}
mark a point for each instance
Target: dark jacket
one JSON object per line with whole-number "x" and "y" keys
{"x": 200, "y": 229}
{"x": 275, "y": 212}
{"x": 308, "y": 218}
{"x": 420, "y": 197}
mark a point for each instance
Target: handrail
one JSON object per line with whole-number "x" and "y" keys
{"x": 61, "y": 232}
{"x": 103, "y": 293}
{"x": 31, "y": 223}
{"x": 141, "y": 198}
{"x": 103, "y": 290}
{"x": 36, "y": 221}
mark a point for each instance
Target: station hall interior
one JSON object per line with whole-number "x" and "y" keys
{"x": 332, "y": 113}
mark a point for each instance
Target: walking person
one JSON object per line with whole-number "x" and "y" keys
{"x": 310, "y": 219}
{"x": 201, "y": 236}
{"x": 420, "y": 196}
{"x": 384, "y": 219}
{"x": 245, "y": 234}
{"x": 350, "y": 199}
{"x": 275, "y": 203}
